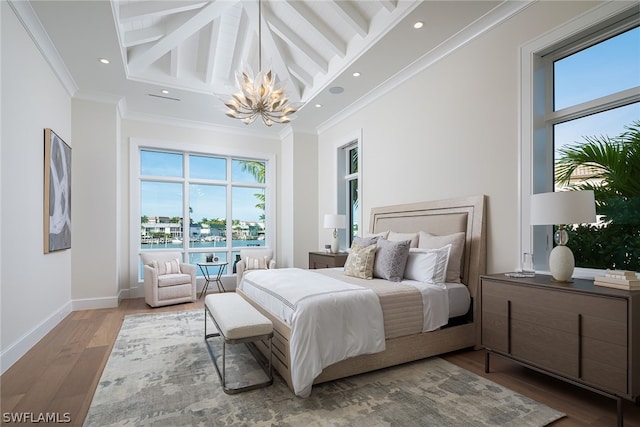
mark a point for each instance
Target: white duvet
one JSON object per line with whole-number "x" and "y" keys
{"x": 330, "y": 320}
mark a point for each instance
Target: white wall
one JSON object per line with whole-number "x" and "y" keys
{"x": 298, "y": 199}
{"x": 451, "y": 131}
{"x": 35, "y": 289}
{"x": 95, "y": 204}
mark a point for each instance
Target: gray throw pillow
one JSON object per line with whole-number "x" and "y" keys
{"x": 391, "y": 259}
{"x": 366, "y": 241}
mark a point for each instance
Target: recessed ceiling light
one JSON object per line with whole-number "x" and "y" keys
{"x": 336, "y": 90}
{"x": 164, "y": 91}
{"x": 418, "y": 25}
{"x": 356, "y": 74}
{"x": 104, "y": 60}
{"x": 318, "y": 105}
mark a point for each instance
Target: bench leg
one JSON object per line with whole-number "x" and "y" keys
{"x": 249, "y": 342}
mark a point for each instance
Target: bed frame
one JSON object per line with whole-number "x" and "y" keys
{"x": 436, "y": 217}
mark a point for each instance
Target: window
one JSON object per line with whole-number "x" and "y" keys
{"x": 348, "y": 191}
{"x": 585, "y": 94}
{"x": 184, "y": 200}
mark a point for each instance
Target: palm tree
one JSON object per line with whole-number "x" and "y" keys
{"x": 257, "y": 169}
{"x": 615, "y": 181}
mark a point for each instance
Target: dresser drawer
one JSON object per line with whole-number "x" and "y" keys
{"x": 576, "y": 335}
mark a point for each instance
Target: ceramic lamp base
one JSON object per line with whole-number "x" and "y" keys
{"x": 561, "y": 263}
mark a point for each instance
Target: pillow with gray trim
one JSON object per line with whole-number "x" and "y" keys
{"x": 427, "y": 265}
{"x": 431, "y": 241}
{"x": 391, "y": 259}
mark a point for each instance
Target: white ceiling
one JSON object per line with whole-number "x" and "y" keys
{"x": 192, "y": 49}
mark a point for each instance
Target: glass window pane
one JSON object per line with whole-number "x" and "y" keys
{"x": 353, "y": 160}
{"x": 161, "y": 209}
{"x": 599, "y": 143}
{"x": 154, "y": 163}
{"x": 248, "y": 171}
{"x": 602, "y": 69}
{"x": 207, "y": 210}
{"x": 248, "y": 212}
{"x": 610, "y": 123}
{"x": 355, "y": 208}
{"x": 203, "y": 167}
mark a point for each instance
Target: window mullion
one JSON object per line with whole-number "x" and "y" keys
{"x": 598, "y": 105}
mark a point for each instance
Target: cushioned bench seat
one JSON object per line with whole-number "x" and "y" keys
{"x": 237, "y": 321}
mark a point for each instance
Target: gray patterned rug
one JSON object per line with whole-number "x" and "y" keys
{"x": 160, "y": 373}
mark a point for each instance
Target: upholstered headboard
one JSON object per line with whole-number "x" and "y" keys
{"x": 442, "y": 217}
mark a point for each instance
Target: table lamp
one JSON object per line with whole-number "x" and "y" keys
{"x": 561, "y": 208}
{"x": 334, "y": 221}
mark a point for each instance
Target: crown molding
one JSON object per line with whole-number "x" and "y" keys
{"x": 31, "y": 23}
{"x": 491, "y": 19}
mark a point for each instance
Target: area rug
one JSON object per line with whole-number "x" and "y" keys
{"x": 160, "y": 373}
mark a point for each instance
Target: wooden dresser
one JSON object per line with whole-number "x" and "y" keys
{"x": 584, "y": 334}
{"x": 327, "y": 260}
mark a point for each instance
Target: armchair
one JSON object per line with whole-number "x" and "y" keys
{"x": 167, "y": 280}
{"x": 254, "y": 259}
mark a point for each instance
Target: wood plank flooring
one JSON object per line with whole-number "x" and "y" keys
{"x": 60, "y": 374}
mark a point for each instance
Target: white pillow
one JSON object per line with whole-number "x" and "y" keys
{"x": 431, "y": 241}
{"x": 252, "y": 263}
{"x": 167, "y": 267}
{"x": 428, "y": 265}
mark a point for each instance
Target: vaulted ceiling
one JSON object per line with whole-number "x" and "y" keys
{"x": 200, "y": 45}
{"x": 176, "y": 59}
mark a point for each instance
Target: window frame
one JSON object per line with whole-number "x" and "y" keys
{"x": 137, "y": 145}
{"x": 535, "y": 151}
{"x": 344, "y": 179}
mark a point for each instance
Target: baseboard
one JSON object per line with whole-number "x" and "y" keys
{"x": 15, "y": 351}
{"x": 95, "y": 303}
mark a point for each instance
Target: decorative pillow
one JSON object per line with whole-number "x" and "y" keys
{"x": 360, "y": 261}
{"x": 251, "y": 263}
{"x": 431, "y": 241}
{"x": 391, "y": 259}
{"x": 427, "y": 265}
{"x": 382, "y": 234}
{"x": 366, "y": 241}
{"x": 167, "y": 267}
{"x": 399, "y": 237}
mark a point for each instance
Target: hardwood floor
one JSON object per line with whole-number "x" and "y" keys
{"x": 60, "y": 374}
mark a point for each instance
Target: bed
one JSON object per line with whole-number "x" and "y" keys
{"x": 437, "y": 218}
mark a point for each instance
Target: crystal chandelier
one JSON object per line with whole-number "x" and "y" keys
{"x": 259, "y": 96}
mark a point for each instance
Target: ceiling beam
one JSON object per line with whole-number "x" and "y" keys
{"x": 390, "y": 5}
{"x": 295, "y": 41}
{"x": 321, "y": 28}
{"x": 352, "y": 17}
{"x": 155, "y": 9}
{"x": 141, "y": 57}
{"x": 142, "y": 36}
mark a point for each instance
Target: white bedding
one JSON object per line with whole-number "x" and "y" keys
{"x": 330, "y": 320}
{"x": 435, "y": 303}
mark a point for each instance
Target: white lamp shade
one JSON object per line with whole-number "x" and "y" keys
{"x": 334, "y": 221}
{"x": 563, "y": 207}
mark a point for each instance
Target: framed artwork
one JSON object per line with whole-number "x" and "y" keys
{"x": 57, "y": 193}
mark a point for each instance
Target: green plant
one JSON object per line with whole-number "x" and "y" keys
{"x": 615, "y": 181}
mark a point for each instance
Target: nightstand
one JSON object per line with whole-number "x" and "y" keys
{"x": 584, "y": 334}
{"x": 327, "y": 260}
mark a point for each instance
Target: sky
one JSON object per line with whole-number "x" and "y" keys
{"x": 603, "y": 69}
{"x": 207, "y": 200}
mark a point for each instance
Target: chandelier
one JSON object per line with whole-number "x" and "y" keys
{"x": 259, "y": 95}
